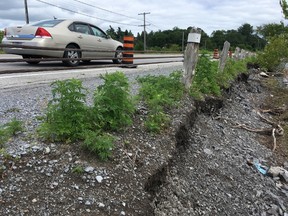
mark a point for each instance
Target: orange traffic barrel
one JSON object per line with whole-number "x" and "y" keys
{"x": 216, "y": 54}
{"x": 128, "y": 50}
{"x": 230, "y": 54}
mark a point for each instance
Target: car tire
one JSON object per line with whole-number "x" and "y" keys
{"x": 118, "y": 55}
{"x": 73, "y": 55}
{"x": 29, "y": 59}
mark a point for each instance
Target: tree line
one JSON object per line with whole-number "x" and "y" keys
{"x": 245, "y": 37}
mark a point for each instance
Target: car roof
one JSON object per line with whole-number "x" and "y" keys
{"x": 60, "y": 21}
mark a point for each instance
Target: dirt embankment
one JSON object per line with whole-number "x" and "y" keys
{"x": 196, "y": 167}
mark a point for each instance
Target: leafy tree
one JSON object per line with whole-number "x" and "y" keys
{"x": 218, "y": 38}
{"x": 246, "y": 30}
{"x": 284, "y": 6}
{"x": 271, "y": 30}
{"x": 275, "y": 51}
{"x": 111, "y": 32}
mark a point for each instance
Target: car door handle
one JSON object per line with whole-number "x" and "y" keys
{"x": 99, "y": 40}
{"x": 80, "y": 37}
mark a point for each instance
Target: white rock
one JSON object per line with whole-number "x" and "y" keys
{"x": 88, "y": 203}
{"x": 275, "y": 171}
{"x": 208, "y": 151}
{"x": 47, "y": 150}
{"x": 89, "y": 169}
{"x": 99, "y": 179}
{"x": 263, "y": 74}
{"x": 101, "y": 205}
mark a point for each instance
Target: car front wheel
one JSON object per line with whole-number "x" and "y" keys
{"x": 118, "y": 56}
{"x": 72, "y": 55}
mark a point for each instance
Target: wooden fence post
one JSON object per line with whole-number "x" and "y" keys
{"x": 224, "y": 56}
{"x": 191, "y": 56}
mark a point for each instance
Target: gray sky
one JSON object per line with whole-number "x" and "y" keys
{"x": 209, "y": 15}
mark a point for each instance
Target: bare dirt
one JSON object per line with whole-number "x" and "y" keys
{"x": 198, "y": 166}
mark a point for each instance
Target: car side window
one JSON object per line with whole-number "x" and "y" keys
{"x": 98, "y": 32}
{"x": 82, "y": 28}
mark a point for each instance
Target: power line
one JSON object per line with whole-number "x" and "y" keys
{"x": 76, "y": 12}
{"x": 106, "y": 10}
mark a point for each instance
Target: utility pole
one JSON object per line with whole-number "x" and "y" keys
{"x": 144, "y": 14}
{"x": 26, "y": 12}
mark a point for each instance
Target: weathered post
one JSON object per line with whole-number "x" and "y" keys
{"x": 191, "y": 56}
{"x": 224, "y": 56}
{"x": 237, "y": 53}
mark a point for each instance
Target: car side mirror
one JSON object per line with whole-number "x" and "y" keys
{"x": 108, "y": 37}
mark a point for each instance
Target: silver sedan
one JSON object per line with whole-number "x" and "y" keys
{"x": 81, "y": 39}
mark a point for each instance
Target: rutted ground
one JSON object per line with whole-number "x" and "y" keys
{"x": 196, "y": 167}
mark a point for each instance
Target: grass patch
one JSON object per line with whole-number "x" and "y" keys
{"x": 9, "y": 130}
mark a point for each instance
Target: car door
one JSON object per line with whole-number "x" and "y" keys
{"x": 103, "y": 42}
{"x": 87, "y": 40}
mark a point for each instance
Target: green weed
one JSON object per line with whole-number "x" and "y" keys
{"x": 100, "y": 144}
{"x": 78, "y": 169}
{"x": 66, "y": 112}
{"x": 9, "y": 130}
{"x": 160, "y": 93}
{"x": 113, "y": 104}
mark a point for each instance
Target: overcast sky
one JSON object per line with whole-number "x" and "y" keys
{"x": 208, "y": 15}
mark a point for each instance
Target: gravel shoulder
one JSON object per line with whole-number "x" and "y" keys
{"x": 196, "y": 167}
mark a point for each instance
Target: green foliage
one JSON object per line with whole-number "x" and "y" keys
{"x": 208, "y": 80}
{"x": 244, "y": 37}
{"x": 78, "y": 169}
{"x": 284, "y": 6}
{"x": 157, "y": 121}
{"x": 68, "y": 118}
{"x": 160, "y": 93}
{"x": 100, "y": 144}
{"x": 1, "y": 37}
{"x": 271, "y": 30}
{"x": 66, "y": 113}
{"x": 231, "y": 71}
{"x": 113, "y": 104}
{"x": 205, "y": 79}
{"x": 274, "y": 52}
{"x": 161, "y": 90}
{"x": 9, "y": 130}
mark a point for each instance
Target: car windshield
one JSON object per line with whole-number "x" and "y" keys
{"x": 47, "y": 23}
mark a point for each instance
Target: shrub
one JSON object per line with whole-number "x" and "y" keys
{"x": 160, "y": 93}
{"x": 113, "y": 104}
{"x": 66, "y": 118}
{"x": 205, "y": 79}
{"x": 100, "y": 144}
{"x": 275, "y": 51}
{"x": 161, "y": 90}
{"x": 231, "y": 71}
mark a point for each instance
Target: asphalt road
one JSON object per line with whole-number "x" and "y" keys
{"x": 152, "y": 58}
{"x": 15, "y": 80}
